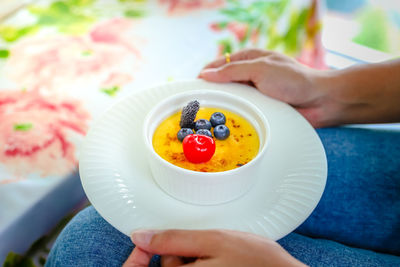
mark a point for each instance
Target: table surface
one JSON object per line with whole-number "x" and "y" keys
{"x": 62, "y": 63}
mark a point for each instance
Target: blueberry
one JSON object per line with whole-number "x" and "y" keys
{"x": 202, "y": 124}
{"x": 217, "y": 118}
{"x": 183, "y": 133}
{"x": 204, "y": 132}
{"x": 221, "y": 132}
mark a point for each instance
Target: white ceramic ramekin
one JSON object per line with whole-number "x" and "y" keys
{"x": 205, "y": 188}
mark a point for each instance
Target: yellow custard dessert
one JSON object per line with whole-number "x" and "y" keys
{"x": 239, "y": 148}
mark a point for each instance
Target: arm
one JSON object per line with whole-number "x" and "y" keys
{"x": 366, "y": 93}
{"x": 360, "y": 94}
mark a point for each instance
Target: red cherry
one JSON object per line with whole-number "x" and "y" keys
{"x": 198, "y": 148}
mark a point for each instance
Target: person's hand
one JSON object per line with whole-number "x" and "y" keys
{"x": 360, "y": 94}
{"x": 277, "y": 76}
{"x": 207, "y": 248}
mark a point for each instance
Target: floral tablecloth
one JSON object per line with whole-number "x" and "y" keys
{"x": 62, "y": 63}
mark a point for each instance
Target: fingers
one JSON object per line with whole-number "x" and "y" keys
{"x": 171, "y": 261}
{"x": 244, "y": 54}
{"x": 246, "y": 70}
{"x": 313, "y": 116}
{"x": 138, "y": 258}
{"x": 183, "y": 243}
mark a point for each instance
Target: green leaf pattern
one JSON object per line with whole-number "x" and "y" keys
{"x": 262, "y": 20}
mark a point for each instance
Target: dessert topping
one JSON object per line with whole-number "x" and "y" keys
{"x": 189, "y": 114}
{"x": 183, "y": 132}
{"x": 202, "y": 124}
{"x": 217, "y": 118}
{"x": 204, "y": 132}
{"x": 221, "y": 132}
{"x": 198, "y": 148}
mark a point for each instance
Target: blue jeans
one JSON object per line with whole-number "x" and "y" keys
{"x": 356, "y": 223}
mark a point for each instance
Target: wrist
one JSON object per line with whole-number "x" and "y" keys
{"x": 329, "y": 87}
{"x": 361, "y": 94}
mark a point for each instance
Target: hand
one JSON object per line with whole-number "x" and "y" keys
{"x": 275, "y": 75}
{"x": 207, "y": 248}
{"x": 360, "y": 94}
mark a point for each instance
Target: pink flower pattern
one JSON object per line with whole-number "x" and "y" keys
{"x": 45, "y": 146}
{"x": 238, "y": 29}
{"x": 176, "y": 7}
{"x": 50, "y": 62}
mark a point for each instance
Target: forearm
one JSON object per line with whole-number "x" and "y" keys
{"x": 364, "y": 94}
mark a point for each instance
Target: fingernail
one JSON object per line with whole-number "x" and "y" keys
{"x": 142, "y": 237}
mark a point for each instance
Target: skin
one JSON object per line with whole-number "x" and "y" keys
{"x": 360, "y": 94}
{"x": 207, "y": 248}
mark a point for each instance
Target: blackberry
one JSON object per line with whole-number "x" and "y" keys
{"x": 189, "y": 114}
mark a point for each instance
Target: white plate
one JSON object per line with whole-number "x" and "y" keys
{"x": 117, "y": 181}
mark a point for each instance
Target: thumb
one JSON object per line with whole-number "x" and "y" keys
{"x": 246, "y": 70}
{"x": 138, "y": 258}
{"x": 185, "y": 243}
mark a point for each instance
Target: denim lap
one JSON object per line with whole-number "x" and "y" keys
{"x": 88, "y": 240}
{"x": 360, "y": 206}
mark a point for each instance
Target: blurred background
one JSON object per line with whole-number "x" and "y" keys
{"x": 66, "y": 61}
{"x": 351, "y": 25}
